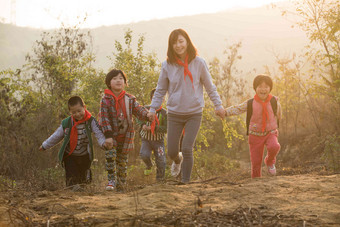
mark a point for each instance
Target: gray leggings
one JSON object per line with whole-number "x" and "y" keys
{"x": 176, "y": 124}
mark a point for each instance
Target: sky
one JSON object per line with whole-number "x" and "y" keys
{"x": 52, "y": 13}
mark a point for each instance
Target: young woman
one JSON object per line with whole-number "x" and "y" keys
{"x": 183, "y": 76}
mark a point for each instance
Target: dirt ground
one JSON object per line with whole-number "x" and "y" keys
{"x": 296, "y": 200}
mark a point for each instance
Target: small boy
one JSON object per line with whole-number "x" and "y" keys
{"x": 153, "y": 140}
{"x": 116, "y": 110}
{"x": 263, "y": 115}
{"x": 76, "y": 152}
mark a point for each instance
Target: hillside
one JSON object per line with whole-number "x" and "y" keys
{"x": 298, "y": 200}
{"x": 261, "y": 30}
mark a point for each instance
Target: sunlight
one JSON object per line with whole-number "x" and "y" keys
{"x": 50, "y": 14}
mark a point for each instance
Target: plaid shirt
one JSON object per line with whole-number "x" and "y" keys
{"x": 109, "y": 122}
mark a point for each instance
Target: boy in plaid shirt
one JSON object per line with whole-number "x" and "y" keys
{"x": 116, "y": 110}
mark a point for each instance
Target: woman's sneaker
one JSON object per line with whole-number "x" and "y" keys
{"x": 110, "y": 185}
{"x": 176, "y": 168}
{"x": 272, "y": 170}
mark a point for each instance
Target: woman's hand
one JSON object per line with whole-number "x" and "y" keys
{"x": 220, "y": 112}
{"x": 151, "y": 116}
{"x": 146, "y": 128}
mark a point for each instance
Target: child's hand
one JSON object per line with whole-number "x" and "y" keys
{"x": 108, "y": 143}
{"x": 146, "y": 128}
{"x": 220, "y": 112}
{"x": 41, "y": 148}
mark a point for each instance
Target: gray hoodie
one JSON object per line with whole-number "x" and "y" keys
{"x": 183, "y": 98}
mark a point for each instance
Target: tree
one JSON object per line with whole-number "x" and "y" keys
{"x": 33, "y": 99}
{"x": 232, "y": 89}
{"x": 142, "y": 69}
{"x": 60, "y": 60}
{"x": 320, "y": 19}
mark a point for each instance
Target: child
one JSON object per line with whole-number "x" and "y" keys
{"x": 263, "y": 115}
{"x": 116, "y": 110}
{"x": 76, "y": 152}
{"x": 153, "y": 140}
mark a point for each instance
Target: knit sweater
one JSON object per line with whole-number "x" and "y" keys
{"x": 185, "y": 97}
{"x": 160, "y": 130}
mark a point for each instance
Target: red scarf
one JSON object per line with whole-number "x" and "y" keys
{"x": 153, "y": 123}
{"x": 186, "y": 69}
{"x": 74, "y": 131}
{"x": 120, "y": 96}
{"x": 265, "y": 114}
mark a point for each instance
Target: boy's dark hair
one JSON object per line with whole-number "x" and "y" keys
{"x": 152, "y": 92}
{"x": 74, "y": 100}
{"x": 262, "y": 78}
{"x": 171, "y": 54}
{"x": 114, "y": 73}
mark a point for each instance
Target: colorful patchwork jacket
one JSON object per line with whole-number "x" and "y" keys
{"x": 109, "y": 122}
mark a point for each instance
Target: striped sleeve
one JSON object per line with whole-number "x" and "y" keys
{"x": 237, "y": 109}
{"x": 139, "y": 111}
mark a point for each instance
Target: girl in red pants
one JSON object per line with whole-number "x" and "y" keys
{"x": 263, "y": 115}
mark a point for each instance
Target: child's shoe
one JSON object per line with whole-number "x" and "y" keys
{"x": 110, "y": 186}
{"x": 147, "y": 172}
{"x": 176, "y": 168}
{"x": 272, "y": 170}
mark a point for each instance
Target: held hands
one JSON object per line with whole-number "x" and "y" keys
{"x": 221, "y": 113}
{"x": 41, "y": 148}
{"x": 108, "y": 143}
{"x": 146, "y": 128}
{"x": 151, "y": 116}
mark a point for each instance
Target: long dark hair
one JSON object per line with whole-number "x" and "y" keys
{"x": 191, "y": 49}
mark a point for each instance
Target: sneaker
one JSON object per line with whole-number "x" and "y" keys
{"x": 176, "y": 168}
{"x": 77, "y": 188}
{"x": 272, "y": 170}
{"x": 147, "y": 172}
{"x": 110, "y": 186}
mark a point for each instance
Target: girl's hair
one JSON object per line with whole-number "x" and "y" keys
{"x": 262, "y": 78}
{"x": 74, "y": 100}
{"x": 191, "y": 49}
{"x": 114, "y": 73}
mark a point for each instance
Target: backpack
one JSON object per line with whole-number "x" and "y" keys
{"x": 273, "y": 103}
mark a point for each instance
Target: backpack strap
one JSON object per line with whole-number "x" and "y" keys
{"x": 273, "y": 103}
{"x": 249, "y": 113}
{"x": 89, "y": 122}
{"x": 66, "y": 123}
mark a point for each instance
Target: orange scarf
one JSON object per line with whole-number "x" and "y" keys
{"x": 265, "y": 114}
{"x": 74, "y": 131}
{"x": 186, "y": 69}
{"x": 153, "y": 123}
{"x": 120, "y": 96}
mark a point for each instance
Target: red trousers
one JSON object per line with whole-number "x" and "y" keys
{"x": 256, "y": 148}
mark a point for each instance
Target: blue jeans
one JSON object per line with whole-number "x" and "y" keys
{"x": 158, "y": 150}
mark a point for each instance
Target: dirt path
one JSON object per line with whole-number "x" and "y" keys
{"x": 309, "y": 200}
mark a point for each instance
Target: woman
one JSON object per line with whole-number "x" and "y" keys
{"x": 183, "y": 76}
